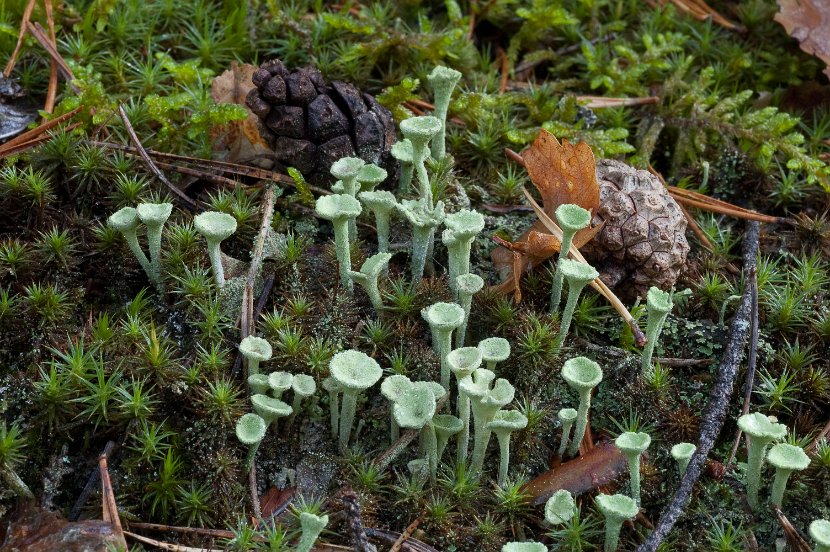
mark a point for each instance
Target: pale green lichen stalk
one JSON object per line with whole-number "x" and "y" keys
{"x": 311, "y": 526}
{"x": 414, "y": 410}
{"x": 334, "y": 390}
{"x": 126, "y": 221}
{"x": 354, "y": 372}
{"x": 567, "y": 416}
{"x": 485, "y": 402}
{"x": 304, "y": 386}
{"x": 786, "y": 459}
{"x": 682, "y": 453}
{"x": 443, "y": 318}
{"x": 419, "y": 131}
{"x": 582, "y": 375}
{"x": 504, "y": 423}
{"x": 461, "y": 232}
{"x": 381, "y": 203}
{"x": 761, "y": 430}
{"x": 402, "y": 151}
{"x": 633, "y": 445}
{"x": 443, "y": 81}
{"x": 463, "y": 362}
{"x": 467, "y": 286}
{"x": 250, "y": 430}
{"x": 578, "y": 275}
{"x": 571, "y": 219}
{"x": 393, "y": 388}
{"x": 659, "y": 305}
{"x": 617, "y": 509}
{"x": 154, "y": 215}
{"x": 215, "y": 227}
{"x": 423, "y": 222}
{"x": 368, "y": 277}
{"x": 340, "y": 209}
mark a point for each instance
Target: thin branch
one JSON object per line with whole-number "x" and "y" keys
{"x": 27, "y": 15}
{"x": 149, "y": 162}
{"x": 716, "y": 409}
{"x": 110, "y": 508}
{"x": 40, "y": 35}
{"x": 52, "y": 90}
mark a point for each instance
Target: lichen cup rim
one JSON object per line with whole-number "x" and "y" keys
{"x": 371, "y": 174}
{"x": 304, "y": 385}
{"x": 275, "y": 407}
{"x": 820, "y": 531}
{"x": 124, "y": 219}
{"x": 375, "y": 264}
{"x": 788, "y": 457}
{"x": 393, "y": 387}
{"x": 378, "y": 199}
{"x": 527, "y": 546}
{"x": 423, "y": 127}
{"x": 631, "y": 442}
{"x": 354, "y": 370}
{"x": 466, "y": 222}
{"x": 154, "y": 212}
{"x": 248, "y": 425}
{"x": 335, "y": 206}
{"x": 572, "y": 217}
{"x": 567, "y": 414}
{"x": 256, "y": 348}
{"x": 760, "y": 425}
{"x": 494, "y": 349}
{"x": 464, "y": 360}
{"x": 469, "y": 283}
{"x": 280, "y": 381}
{"x": 683, "y": 451}
{"x": 512, "y": 420}
{"x": 447, "y": 423}
{"x": 617, "y": 506}
{"x": 346, "y": 167}
{"x": 577, "y": 270}
{"x": 658, "y": 299}
{"x": 415, "y": 408}
{"x": 560, "y": 507}
{"x": 402, "y": 150}
{"x": 582, "y": 373}
{"x": 444, "y": 315}
{"x": 215, "y": 225}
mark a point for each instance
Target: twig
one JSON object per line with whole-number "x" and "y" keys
{"x": 149, "y": 162}
{"x": 406, "y": 533}
{"x": 701, "y": 201}
{"x": 752, "y": 357}
{"x": 823, "y": 433}
{"x": 7, "y": 152}
{"x": 168, "y": 546}
{"x": 39, "y": 130}
{"x": 214, "y": 533}
{"x": 411, "y": 545}
{"x": 40, "y": 35}
{"x": 91, "y": 482}
{"x": 598, "y": 284}
{"x": 505, "y": 71}
{"x": 27, "y": 15}
{"x": 403, "y": 441}
{"x": 52, "y": 90}
{"x": 795, "y": 540}
{"x": 716, "y": 409}
{"x": 598, "y": 102}
{"x": 355, "y": 520}
{"x": 267, "y": 286}
{"x": 110, "y": 508}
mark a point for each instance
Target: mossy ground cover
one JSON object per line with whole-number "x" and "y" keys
{"x": 91, "y": 352}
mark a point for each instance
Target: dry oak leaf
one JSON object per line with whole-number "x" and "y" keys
{"x": 240, "y": 141}
{"x": 808, "y": 21}
{"x": 563, "y": 173}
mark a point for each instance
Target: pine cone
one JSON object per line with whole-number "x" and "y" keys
{"x": 643, "y": 243}
{"x": 315, "y": 124}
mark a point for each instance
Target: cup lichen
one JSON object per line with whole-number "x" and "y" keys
{"x": 255, "y": 350}
{"x": 582, "y": 375}
{"x": 682, "y": 453}
{"x": 578, "y": 275}
{"x": 381, "y": 203}
{"x": 367, "y": 278}
{"x": 760, "y": 430}
{"x": 567, "y": 416}
{"x": 423, "y": 222}
{"x": 503, "y": 424}
{"x": 443, "y": 81}
{"x": 659, "y": 305}
{"x": 786, "y": 459}
{"x": 571, "y": 219}
{"x": 354, "y": 371}
{"x": 633, "y": 445}
{"x": 419, "y": 131}
{"x": 616, "y": 509}
{"x": 467, "y": 285}
{"x": 341, "y": 210}
{"x": 215, "y": 227}
{"x": 463, "y": 362}
{"x": 443, "y": 319}
{"x": 154, "y": 215}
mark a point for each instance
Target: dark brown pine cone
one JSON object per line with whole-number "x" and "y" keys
{"x": 314, "y": 123}
{"x": 643, "y": 242}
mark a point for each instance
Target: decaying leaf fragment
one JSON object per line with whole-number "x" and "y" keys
{"x": 563, "y": 173}
{"x": 808, "y": 21}
{"x": 598, "y": 467}
{"x": 240, "y": 141}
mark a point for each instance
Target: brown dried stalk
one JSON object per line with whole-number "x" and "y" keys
{"x": 27, "y": 15}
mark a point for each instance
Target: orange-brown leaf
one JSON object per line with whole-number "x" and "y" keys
{"x": 598, "y": 467}
{"x": 808, "y": 21}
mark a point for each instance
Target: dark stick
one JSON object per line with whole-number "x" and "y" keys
{"x": 715, "y": 413}
{"x": 91, "y": 483}
{"x": 149, "y": 162}
{"x": 752, "y": 359}
{"x": 263, "y": 298}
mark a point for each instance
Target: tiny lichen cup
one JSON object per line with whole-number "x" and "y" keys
{"x": 616, "y": 509}
{"x": 463, "y": 362}
{"x": 367, "y": 278}
{"x": 658, "y": 305}
{"x": 503, "y": 424}
{"x": 443, "y": 81}
{"x": 255, "y": 350}
{"x": 560, "y": 508}
{"x": 443, "y": 319}
{"x": 402, "y": 151}
{"x": 215, "y": 227}
{"x": 414, "y": 410}
{"x": 462, "y": 228}
{"x": 419, "y": 131}
{"x": 370, "y": 175}
{"x": 340, "y": 209}
{"x": 393, "y": 388}
{"x": 682, "y": 453}
{"x": 820, "y": 533}
{"x": 567, "y": 416}
{"x": 571, "y": 218}
{"x": 786, "y": 459}
{"x": 354, "y": 371}
{"x": 494, "y": 350}
{"x": 126, "y": 221}
{"x": 761, "y": 431}
{"x": 154, "y": 215}
{"x": 633, "y": 445}
{"x": 578, "y": 275}
{"x": 582, "y": 375}
{"x": 250, "y": 430}
{"x": 311, "y": 526}
{"x": 467, "y": 285}
{"x": 527, "y": 546}
{"x": 381, "y": 203}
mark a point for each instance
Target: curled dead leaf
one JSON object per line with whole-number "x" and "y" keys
{"x": 808, "y": 21}
{"x": 563, "y": 173}
{"x": 240, "y": 141}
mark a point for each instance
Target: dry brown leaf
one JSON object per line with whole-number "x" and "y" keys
{"x": 275, "y": 501}
{"x": 563, "y": 173}
{"x": 596, "y": 468}
{"x": 702, "y": 11}
{"x": 240, "y": 141}
{"x": 808, "y": 21}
